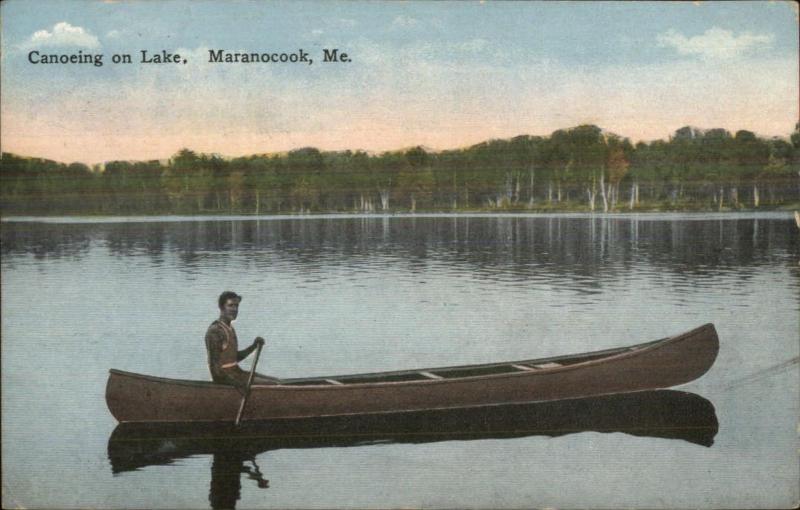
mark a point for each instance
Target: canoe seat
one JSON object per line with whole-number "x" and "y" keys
{"x": 431, "y": 376}
{"x": 334, "y": 381}
{"x": 548, "y": 365}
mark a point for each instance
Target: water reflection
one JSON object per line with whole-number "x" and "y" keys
{"x": 661, "y": 414}
{"x": 226, "y": 470}
{"x": 491, "y": 247}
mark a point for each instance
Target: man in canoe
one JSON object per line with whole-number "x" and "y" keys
{"x": 223, "y": 347}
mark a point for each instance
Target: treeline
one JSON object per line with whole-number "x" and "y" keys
{"x": 583, "y": 168}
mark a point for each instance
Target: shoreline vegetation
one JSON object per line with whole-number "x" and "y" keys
{"x": 581, "y": 169}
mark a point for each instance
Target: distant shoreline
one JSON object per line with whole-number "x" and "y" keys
{"x": 580, "y": 169}
{"x": 756, "y": 214}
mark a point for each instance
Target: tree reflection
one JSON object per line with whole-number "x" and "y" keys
{"x": 587, "y": 247}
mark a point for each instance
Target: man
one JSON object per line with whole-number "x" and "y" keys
{"x": 223, "y": 347}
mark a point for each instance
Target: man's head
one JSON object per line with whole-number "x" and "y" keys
{"x": 229, "y": 304}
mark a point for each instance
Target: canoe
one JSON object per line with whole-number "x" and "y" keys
{"x": 667, "y": 414}
{"x": 653, "y": 365}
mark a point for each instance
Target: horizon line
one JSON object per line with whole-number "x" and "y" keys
{"x": 427, "y": 149}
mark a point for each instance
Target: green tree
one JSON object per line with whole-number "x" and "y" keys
{"x": 415, "y": 178}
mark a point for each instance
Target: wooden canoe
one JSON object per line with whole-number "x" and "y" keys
{"x": 659, "y": 364}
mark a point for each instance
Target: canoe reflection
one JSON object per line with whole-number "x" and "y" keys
{"x": 662, "y": 414}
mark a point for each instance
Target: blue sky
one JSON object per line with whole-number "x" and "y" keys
{"x": 439, "y": 74}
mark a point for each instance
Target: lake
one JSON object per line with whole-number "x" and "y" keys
{"x": 344, "y": 294}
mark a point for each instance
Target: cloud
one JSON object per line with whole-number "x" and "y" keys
{"x": 113, "y": 34}
{"x": 715, "y": 43}
{"x": 62, "y": 34}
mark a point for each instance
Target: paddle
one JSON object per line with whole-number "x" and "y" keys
{"x": 249, "y": 383}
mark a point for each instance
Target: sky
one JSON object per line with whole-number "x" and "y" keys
{"x": 442, "y": 75}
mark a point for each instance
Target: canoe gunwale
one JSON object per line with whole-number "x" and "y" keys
{"x": 612, "y": 355}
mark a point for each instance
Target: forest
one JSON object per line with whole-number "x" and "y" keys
{"x": 584, "y": 168}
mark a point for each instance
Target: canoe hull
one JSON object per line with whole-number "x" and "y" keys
{"x": 670, "y": 362}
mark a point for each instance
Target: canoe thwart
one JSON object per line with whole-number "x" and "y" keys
{"x": 548, "y": 365}
{"x": 431, "y": 376}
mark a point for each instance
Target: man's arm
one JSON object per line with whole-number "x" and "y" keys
{"x": 240, "y": 355}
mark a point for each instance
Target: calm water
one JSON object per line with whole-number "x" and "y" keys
{"x": 351, "y": 294}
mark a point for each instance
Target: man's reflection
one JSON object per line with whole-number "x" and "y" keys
{"x": 226, "y": 470}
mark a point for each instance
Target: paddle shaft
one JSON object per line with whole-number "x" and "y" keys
{"x": 249, "y": 383}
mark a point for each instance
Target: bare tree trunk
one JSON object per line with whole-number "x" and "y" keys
{"x": 258, "y": 201}
{"x": 612, "y": 199}
{"x": 603, "y": 192}
{"x": 755, "y": 195}
{"x": 558, "y": 192}
{"x": 721, "y": 197}
{"x": 384, "y": 199}
{"x": 614, "y": 191}
{"x": 633, "y": 197}
{"x": 550, "y": 192}
{"x": 530, "y": 189}
{"x": 455, "y": 192}
{"x": 366, "y": 203}
{"x": 413, "y": 203}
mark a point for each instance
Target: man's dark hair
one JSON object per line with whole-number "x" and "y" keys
{"x": 225, "y": 296}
